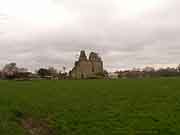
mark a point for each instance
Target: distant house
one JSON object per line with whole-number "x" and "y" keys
{"x": 11, "y": 71}
{"x": 87, "y": 68}
{"x": 113, "y": 75}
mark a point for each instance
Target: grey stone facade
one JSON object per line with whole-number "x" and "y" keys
{"x": 87, "y": 67}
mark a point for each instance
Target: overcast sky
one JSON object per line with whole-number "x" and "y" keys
{"x": 126, "y": 33}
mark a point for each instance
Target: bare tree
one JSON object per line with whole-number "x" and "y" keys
{"x": 64, "y": 69}
{"x": 52, "y": 71}
{"x": 178, "y": 68}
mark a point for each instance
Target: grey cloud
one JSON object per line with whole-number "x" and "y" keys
{"x": 152, "y": 38}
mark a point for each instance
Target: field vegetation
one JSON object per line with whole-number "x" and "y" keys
{"x": 90, "y": 107}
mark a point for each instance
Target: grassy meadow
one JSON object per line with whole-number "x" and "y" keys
{"x": 90, "y": 107}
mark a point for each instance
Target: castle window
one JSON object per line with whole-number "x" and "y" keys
{"x": 82, "y": 76}
{"x": 92, "y": 69}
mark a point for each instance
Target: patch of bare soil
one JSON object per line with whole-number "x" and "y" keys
{"x": 36, "y": 127}
{"x": 32, "y": 125}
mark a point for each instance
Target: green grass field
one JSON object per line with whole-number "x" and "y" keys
{"x": 92, "y": 107}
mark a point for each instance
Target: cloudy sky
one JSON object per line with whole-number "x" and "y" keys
{"x": 126, "y": 33}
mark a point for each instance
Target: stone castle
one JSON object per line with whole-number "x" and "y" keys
{"x": 87, "y": 68}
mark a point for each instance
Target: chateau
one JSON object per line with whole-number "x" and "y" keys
{"x": 86, "y": 68}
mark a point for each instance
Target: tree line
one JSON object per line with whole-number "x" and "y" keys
{"x": 150, "y": 72}
{"x": 12, "y": 71}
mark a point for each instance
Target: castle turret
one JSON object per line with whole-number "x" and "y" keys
{"x": 97, "y": 64}
{"x": 94, "y": 57}
{"x": 83, "y": 56}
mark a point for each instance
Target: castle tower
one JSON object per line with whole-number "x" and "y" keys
{"x": 97, "y": 64}
{"x": 83, "y": 56}
{"x": 94, "y": 57}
